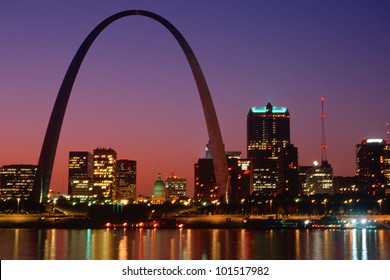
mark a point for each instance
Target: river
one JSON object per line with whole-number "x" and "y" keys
{"x": 193, "y": 244}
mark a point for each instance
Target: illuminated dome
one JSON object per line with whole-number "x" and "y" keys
{"x": 159, "y": 187}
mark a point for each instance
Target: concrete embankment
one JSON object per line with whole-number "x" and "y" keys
{"x": 41, "y": 221}
{"x": 212, "y": 221}
{"x": 201, "y": 221}
{"x": 70, "y": 221}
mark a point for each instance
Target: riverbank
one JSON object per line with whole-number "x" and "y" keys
{"x": 197, "y": 221}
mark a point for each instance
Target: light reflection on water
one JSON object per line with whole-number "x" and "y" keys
{"x": 149, "y": 244}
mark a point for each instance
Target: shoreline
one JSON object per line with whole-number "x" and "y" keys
{"x": 45, "y": 221}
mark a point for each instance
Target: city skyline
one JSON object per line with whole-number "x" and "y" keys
{"x": 141, "y": 92}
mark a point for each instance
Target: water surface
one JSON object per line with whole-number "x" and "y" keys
{"x": 190, "y": 244}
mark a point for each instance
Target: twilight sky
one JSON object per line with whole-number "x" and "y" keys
{"x": 135, "y": 92}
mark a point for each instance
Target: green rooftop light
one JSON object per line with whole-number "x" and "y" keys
{"x": 279, "y": 110}
{"x": 276, "y": 110}
{"x": 258, "y": 110}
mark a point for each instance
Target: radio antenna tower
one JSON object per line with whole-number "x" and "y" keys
{"x": 324, "y": 147}
{"x": 387, "y": 132}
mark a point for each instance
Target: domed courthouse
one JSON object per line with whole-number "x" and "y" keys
{"x": 159, "y": 191}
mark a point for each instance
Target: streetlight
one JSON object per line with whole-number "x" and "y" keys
{"x": 325, "y": 200}
{"x": 297, "y": 205}
{"x": 380, "y": 206}
{"x": 313, "y": 202}
{"x": 18, "y": 200}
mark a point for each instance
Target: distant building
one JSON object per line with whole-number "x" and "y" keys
{"x": 208, "y": 151}
{"x": 104, "y": 174}
{"x": 345, "y": 185}
{"x": 288, "y": 172}
{"x": 175, "y": 187}
{"x": 126, "y": 177}
{"x": 268, "y": 131}
{"x": 240, "y": 172}
{"x": 159, "y": 191}
{"x": 205, "y": 184}
{"x": 80, "y": 174}
{"x": 233, "y": 154}
{"x": 303, "y": 171}
{"x": 16, "y": 181}
{"x": 319, "y": 180}
{"x": 373, "y": 166}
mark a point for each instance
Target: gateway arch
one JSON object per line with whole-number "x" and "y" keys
{"x": 49, "y": 147}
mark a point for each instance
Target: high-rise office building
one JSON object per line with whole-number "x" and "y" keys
{"x": 104, "y": 173}
{"x": 268, "y": 132}
{"x": 126, "y": 176}
{"x": 176, "y": 187}
{"x": 80, "y": 174}
{"x": 16, "y": 181}
{"x": 373, "y": 166}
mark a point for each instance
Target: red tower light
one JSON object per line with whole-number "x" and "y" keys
{"x": 324, "y": 147}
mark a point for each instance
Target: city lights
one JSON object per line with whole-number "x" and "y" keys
{"x": 130, "y": 179}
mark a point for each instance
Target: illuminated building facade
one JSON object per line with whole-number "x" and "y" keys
{"x": 233, "y": 154}
{"x": 287, "y": 171}
{"x": 268, "y": 132}
{"x": 17, "y": 181}
{"x": 205, "y": 185}
{"x": 176, "y": 187}
{"x": 240, "y": 172}
{"x": 126, "y": 177}
{"x": 159, "y": 191}
{"x": 373, "y": 166}
{"x": 319, "y": 179}
{"x": 80, "y": 174}
{"x": 386, "y": 171}
{"x": 104, "y": 174}
{"x": 303, "y": 171}
{"x": 345, "y": 185}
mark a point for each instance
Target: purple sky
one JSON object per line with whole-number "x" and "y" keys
{"x": 135, "y": 92}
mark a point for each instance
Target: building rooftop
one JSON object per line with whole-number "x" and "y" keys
{"x": 269, "y": 109}
{"x": 373, "y": 141}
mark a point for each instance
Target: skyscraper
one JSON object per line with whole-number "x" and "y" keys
{"x": 373, "y": 166}
{"x": 126, "y": 177}
{"x": 268, "y": 131}
{"x": 104, "y": 173}
{"x": 80, "y": 174}
{"x": 17, "y": 181}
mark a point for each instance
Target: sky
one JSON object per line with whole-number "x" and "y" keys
{"x": 135, "y": 92}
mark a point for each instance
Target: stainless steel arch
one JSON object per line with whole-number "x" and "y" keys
{"x": 49, "y": 147}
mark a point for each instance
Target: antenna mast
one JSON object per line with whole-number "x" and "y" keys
{"x": 387, "y": 132}
{"x": 324, "y": 147}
